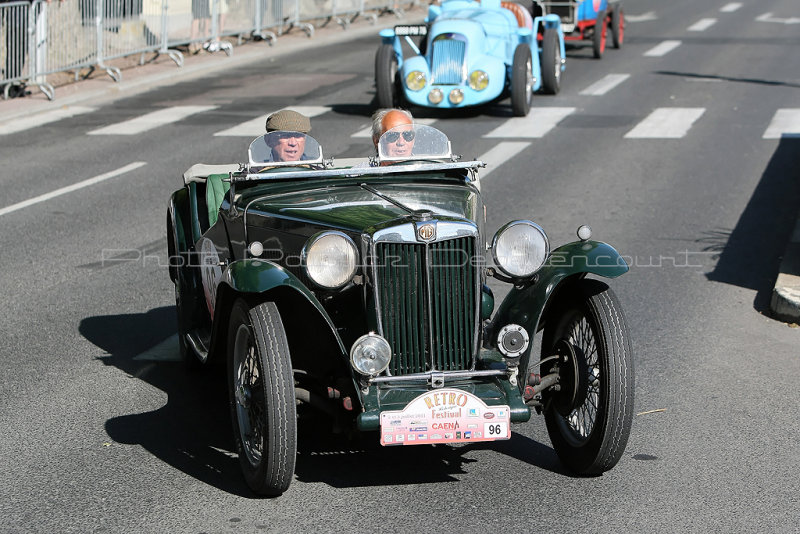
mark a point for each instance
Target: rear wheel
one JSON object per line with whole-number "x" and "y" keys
{"x": 261, "y": 396}
{"x": 386, "y": 76}
{"x": 600, "y": 34}
{"x": 589, "y": 419}
{"x": 617, "y": 25}
{"x": 551, "y": 62}
{"x": 521, "y": 81}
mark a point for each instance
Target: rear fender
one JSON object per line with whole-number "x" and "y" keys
{"x": 547, "y": 22}
{"x": 177, "y": 219}
{"x": 528, "y": 305}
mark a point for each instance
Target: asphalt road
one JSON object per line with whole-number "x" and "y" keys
{"x": 102, "y": 431}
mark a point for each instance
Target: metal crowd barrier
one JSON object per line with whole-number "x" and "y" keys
{"x": 40, "y": 38}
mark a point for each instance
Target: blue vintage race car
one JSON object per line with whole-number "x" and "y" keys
{"x": 469, "y": 53}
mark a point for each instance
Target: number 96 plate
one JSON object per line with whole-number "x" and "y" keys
{"x": 445, "y": 416}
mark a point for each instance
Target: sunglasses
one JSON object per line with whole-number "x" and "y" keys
{"x": 290, "y": 135}
{"x": 408, "y": 135}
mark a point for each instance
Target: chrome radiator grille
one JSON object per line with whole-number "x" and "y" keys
{"x": 447, "y": 62}
{"x": 427, "y": 304}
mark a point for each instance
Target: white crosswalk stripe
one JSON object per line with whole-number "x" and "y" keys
{"x": 32, "y": 121}
{"x": 151, "y": 120}
{"x": 501, "y": 153}
{"x": 537, "y": 124}
{"x": 662, "y": 49}
{"x": 666, "y": 123}
{"x": 605, "y": 84}
{"x": 702, "y": 25}
{"x": 785, "y": 123}
{"x": 367, "y": 132}
{"x": 730, "y": 8}
{"x": 257, "y": 126}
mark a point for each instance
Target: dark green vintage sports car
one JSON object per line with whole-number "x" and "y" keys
{"x": 360, "y": 290}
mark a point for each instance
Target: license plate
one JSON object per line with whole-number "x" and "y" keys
{"x": 445, "y": 416}
{"x": 411, "y": 30}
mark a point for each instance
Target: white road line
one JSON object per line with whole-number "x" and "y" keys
{"x": 666, "y": 123}
{"x": 538, "y": 122}
{"x": 701, "y": 25}
{"x": 501, "y": 153}
{"x": 74, "y": 187}
{"x": 662, "y": 49}
{"x": 730, "y": 8}
{"x": 785, "y": 123}
{"x": 367, "y": 132}
{"x": 606, "y": 84}
{"x": 257, "y": 126}
{"x": 151, "y": 120}
{"x": 650, "y": 15}
{"x": 18, "y": 125}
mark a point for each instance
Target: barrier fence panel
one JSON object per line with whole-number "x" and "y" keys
{"x": 14, "y": 20}
{"x": 269, "y": 16}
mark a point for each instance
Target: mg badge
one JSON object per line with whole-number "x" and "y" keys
{"x": 426, "y": 232}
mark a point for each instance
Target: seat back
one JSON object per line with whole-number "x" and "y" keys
{"x": 215, "y": 193}
{"x": 524, "y": 19}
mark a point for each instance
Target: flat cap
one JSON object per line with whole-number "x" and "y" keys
{"x": 288, "y": 120}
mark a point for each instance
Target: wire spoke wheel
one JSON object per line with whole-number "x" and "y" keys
{"x": 590, "y": 435}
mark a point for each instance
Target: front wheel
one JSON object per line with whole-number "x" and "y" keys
{"x": 617, "y": 25}
{"x": 589, "y": 433}
{"x": 261, "y": 397}
{"x": 600, "y": 35}
{"x": 385, "y": 76}
{"x": 551, "y": 62}
{"x": 521, "y": 81}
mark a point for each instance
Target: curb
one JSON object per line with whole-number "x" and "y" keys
{"x": 134, "y": 81}
{"x": 785, "y": 303}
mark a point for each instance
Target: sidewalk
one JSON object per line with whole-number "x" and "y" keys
{"x": 100, "y": 88}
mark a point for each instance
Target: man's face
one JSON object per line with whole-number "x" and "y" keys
{"x": 399, "y": 142}
{"x": 289, "y": 146}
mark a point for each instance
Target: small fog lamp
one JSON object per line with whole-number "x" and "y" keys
{"x": 456, "y": 96}
{"x": 370, "y": 355}
{"x": 435, "y": 96}
{"x": 256, "y": 249}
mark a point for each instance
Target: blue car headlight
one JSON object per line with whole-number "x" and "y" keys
{"x": 478, "y": 80}
{"x": 415, "y": 80}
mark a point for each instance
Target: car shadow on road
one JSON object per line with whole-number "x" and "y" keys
{"x": 750, "y": 257}
{"x": 191, "y": 432}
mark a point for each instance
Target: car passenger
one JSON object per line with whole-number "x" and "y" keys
{"x": 289, "y": 143}
{"x": 384, "y": 120}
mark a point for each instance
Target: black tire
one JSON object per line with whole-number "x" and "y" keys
{"x": 600, "y": 35}
{"x": 521, "y": 81}
{"x": 261, "y": 397}
{"x": 551, "y": 62}
{"x": 386, "y": 76}
{"x": 591, "y": 438}
{"x": 617, "y": 25}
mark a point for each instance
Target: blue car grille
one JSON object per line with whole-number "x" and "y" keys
{"x": 447, "y": 62}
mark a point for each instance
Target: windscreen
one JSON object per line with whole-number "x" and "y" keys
{"x": 413, "y": 142}
{"x": 284, "y": 148}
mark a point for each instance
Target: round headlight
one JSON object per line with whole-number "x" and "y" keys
{"x": 330, "y": 259}
{"x": 456, "y": 96}
{"x": 435, "y": 96}
{"x": 370, "y": 355}
{"x": 520, "y": 248}
{"x": 478, "y": 80}
{"x": 415, "y": 80}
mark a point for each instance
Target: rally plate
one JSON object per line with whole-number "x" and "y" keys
{"x": 445, "y": 416}
{"x": 411, "y": 30}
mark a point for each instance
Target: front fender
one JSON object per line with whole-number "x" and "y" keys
{"x": 259, "y": 277}
{"x": 527, "y": 305}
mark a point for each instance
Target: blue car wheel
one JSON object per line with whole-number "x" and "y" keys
{"x": 386, "y": 76}
{"x": 521, "y": 81}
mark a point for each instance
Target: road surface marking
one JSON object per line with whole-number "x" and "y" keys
{"x": 730, "y": 8}
{"x": 701, "y": 25}
{"x": 151, "y": 120}
{"x": 538, "y": 122}
{"x": 785, "y": 123}
{"x": 499, "y": 154}
{"x": 644, "y": 17}
{"x": 767, "y": 17}
{"x": 666, "y": 123}
{"x": 258, "y": 126}
{"x": 74, "y": 187}
{"x": 606, "y": 84}
{"x": 662, "y": 49}
{"x": 367, "y": 132}
{"x": 24, "y": 123}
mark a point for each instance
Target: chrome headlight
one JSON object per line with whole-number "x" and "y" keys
{"x": 370, "y": 355}
{"x": 478, "y": 80}
{"x": 415, "y": 80}
{"x": 520, "y": 248}
{"x": 330, "y": 259}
